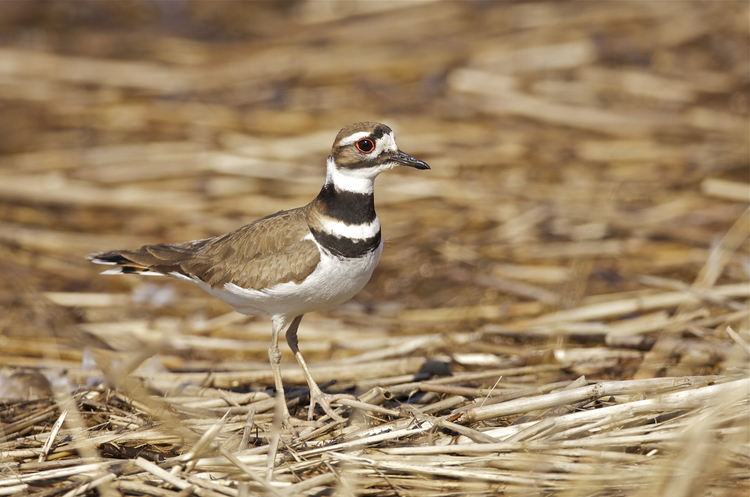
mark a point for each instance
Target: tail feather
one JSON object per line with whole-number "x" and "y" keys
{"x": 124, "y": 265}
{"x": 110, "y": 258}
{"x": 143, "y": 260}
{"x": 132, "y": 270}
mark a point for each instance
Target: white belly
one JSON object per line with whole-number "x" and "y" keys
{"x": 333, "y": 282}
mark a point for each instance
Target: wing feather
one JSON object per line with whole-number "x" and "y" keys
{"x": 259, "y": 255}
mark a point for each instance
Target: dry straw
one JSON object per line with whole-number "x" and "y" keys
{"x": 562, "y": 304}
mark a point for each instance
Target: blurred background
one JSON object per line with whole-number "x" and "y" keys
{"x": 581, "y": 152}
{"x": 585, "y": 219}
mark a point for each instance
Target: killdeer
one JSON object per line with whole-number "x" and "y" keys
{"x": 292, "y": 262}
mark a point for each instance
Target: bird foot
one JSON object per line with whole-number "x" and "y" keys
{"x": 293, "y": 424}
{"x": 324, "y": 400}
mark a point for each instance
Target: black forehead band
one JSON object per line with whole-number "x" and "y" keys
{"x": 378, "y": 133}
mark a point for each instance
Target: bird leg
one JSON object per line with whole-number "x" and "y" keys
{"x": 316, "y": 394}
{"x": 274, "y": 355}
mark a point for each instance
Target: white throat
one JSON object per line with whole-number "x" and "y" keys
{"x": 351, "y": 180}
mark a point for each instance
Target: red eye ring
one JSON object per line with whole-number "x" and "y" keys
{"x": 365, "y": 145}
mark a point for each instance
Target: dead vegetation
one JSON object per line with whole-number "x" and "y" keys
{"x": 562, "y": 305}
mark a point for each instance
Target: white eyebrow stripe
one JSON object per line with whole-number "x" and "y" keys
{"x": 353, "y": 138}
{"x": 386, "y": 143}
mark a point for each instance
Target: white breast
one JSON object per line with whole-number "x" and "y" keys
{"x": 333, "y": 282}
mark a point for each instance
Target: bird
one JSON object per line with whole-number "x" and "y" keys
{"x": 294, "y": 261}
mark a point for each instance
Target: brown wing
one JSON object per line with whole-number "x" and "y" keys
{"x": 259, "y": 255}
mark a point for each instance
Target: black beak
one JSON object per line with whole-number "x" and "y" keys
{"x": 408, "y": 160}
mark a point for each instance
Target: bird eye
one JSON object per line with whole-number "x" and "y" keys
{"x": 365, "y": 145}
